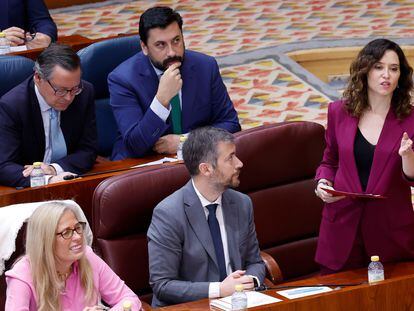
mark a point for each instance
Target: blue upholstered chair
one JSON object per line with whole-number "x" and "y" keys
{"x": 13, "y": 70}
{"x": 98, "y": 60}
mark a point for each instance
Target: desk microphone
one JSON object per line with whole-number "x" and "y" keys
{"x": 336, "y": 285}
{"x": 73, "y": 176}
{"x": 260, "y": 288}
{"x": 70, "y": 177}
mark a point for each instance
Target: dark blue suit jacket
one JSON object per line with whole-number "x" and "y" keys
{"x": 22, "y": 136}
{"x": 133, "y": 85}
{"x": 30, "y": 15}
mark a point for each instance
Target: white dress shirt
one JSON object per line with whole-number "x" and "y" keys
{"x": 214, "y": 287}
{"x": 44, "y": 109}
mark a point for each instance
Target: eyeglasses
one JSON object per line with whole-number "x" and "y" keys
{"x": 30, "y": 35}
{"x": 68, "y": 233}
{"x": 62, "y": 92}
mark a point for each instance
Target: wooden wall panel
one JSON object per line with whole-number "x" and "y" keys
{"x": 53, "y": 4}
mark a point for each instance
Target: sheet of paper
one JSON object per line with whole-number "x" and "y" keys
{"x": 303, "y": 291}
{"x": 337, "y": 193}
{"x": 18, "y": 48}
{"x": 253, "y": 299}
{"x": 163, "y": 160}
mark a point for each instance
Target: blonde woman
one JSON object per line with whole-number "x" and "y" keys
{"x": 59, "y": 272}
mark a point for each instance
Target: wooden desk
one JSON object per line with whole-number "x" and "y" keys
{"x": 77, "y": 42}
{"x": 80, "y": 189}
{"x": 395, "y": 293}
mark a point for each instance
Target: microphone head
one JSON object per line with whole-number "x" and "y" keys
{"x": 69, "y": 177}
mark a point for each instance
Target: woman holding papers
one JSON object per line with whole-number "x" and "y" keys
{"x": 59, "y": 272}
{"x": 369, "y": 151}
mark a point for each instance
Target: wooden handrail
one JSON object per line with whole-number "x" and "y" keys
{"x": 273, "y": 272}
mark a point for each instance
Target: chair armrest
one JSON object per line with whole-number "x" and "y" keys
{"x": 100, "y": 159}
{"x": 273, "y": 272}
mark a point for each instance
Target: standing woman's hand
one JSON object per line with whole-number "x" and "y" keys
{"x": 323, "y": 195}
{"x": 407, "y": 155}
{"x": 406, "y": 147}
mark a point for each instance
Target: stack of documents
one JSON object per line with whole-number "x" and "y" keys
{"x": 254, "y": 299}
{"x": 303, "y": 291}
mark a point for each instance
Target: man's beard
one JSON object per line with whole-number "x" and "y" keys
{"x": 231, "y": 182}
{"x": 168, "y": 62}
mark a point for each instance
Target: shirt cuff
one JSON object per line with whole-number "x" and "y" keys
{"x": 159, "y": 109}
{"x": 47, "y": 179}
{"x": 214, "y": 290}
{"x": 256, "y": 278}
{"x": 57, "y": 168}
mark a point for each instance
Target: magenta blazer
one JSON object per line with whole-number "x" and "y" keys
{"x": 387, "y": 225}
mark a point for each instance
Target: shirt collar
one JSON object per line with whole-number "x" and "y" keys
{"x": 157, "y": 71}
{"x": 42, "y": 102}
{"x": 204, "y": 201}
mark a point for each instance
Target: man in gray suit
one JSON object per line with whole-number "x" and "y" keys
{"x": 202, "y": 239}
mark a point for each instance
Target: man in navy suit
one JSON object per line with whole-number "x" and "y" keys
{"x": 19, "y": 18}
{"x": 165, "y": 90}
{"x": 49, "y": 118}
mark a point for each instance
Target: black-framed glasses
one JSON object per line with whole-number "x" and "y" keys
{"x": 62, "y": 92}
{"x": 29, "y": 36}
{"x": 68, "y": 233}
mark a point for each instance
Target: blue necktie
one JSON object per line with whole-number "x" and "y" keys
{"x": 56, "y": 139}
{"x": 216, "y": 236}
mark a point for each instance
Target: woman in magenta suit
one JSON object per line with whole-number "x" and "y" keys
{"x": 369, "y": 150}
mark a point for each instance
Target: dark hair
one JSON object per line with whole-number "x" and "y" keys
{"x": 356, "y": 93}
{"x": 56, "y": 54}
{"x": 157, "y": 17}
{"x": 201, "y": 146}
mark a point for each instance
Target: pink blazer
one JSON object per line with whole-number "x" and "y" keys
{"x": 388, "y": 224}
{"x": 21, "y": 295}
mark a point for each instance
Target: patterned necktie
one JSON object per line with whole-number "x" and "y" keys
{"x": 56, "y": 139}
{"x": 176, "y": 114}
{"x": 216, "y": 236}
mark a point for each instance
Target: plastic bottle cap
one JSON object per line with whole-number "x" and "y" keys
{"x": 183, "y": 138}
{"x": 239, "y": 287}
{"x": 374, "y": 258}
{"x": 127, "y": 305}
{"x": 2, "y": 35}
{"x": 37, "y": 164}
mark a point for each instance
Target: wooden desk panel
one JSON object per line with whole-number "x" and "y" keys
{"x": 80, "y": 189}
{"x": 395, "y": 293}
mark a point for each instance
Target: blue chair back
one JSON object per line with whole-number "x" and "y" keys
{"x": 13, "y": 70}
{"x": 98, "y": 60}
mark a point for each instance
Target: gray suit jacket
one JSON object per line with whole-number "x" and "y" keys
{"x": 182, "y": 260}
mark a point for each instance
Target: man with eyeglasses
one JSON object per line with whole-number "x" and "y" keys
{"x": 49, "y": 118}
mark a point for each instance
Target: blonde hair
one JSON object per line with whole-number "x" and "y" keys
{"x": 40, "y": 247}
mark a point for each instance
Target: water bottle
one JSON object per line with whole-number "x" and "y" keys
{"x": 375, "y": 270}
{"x": 180, "y": 147}
{"x": 37, "y": 176}
{"x": 239, "y": 298}
{"x": 127, "y": 305}
{"x": 4, "y": 44}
